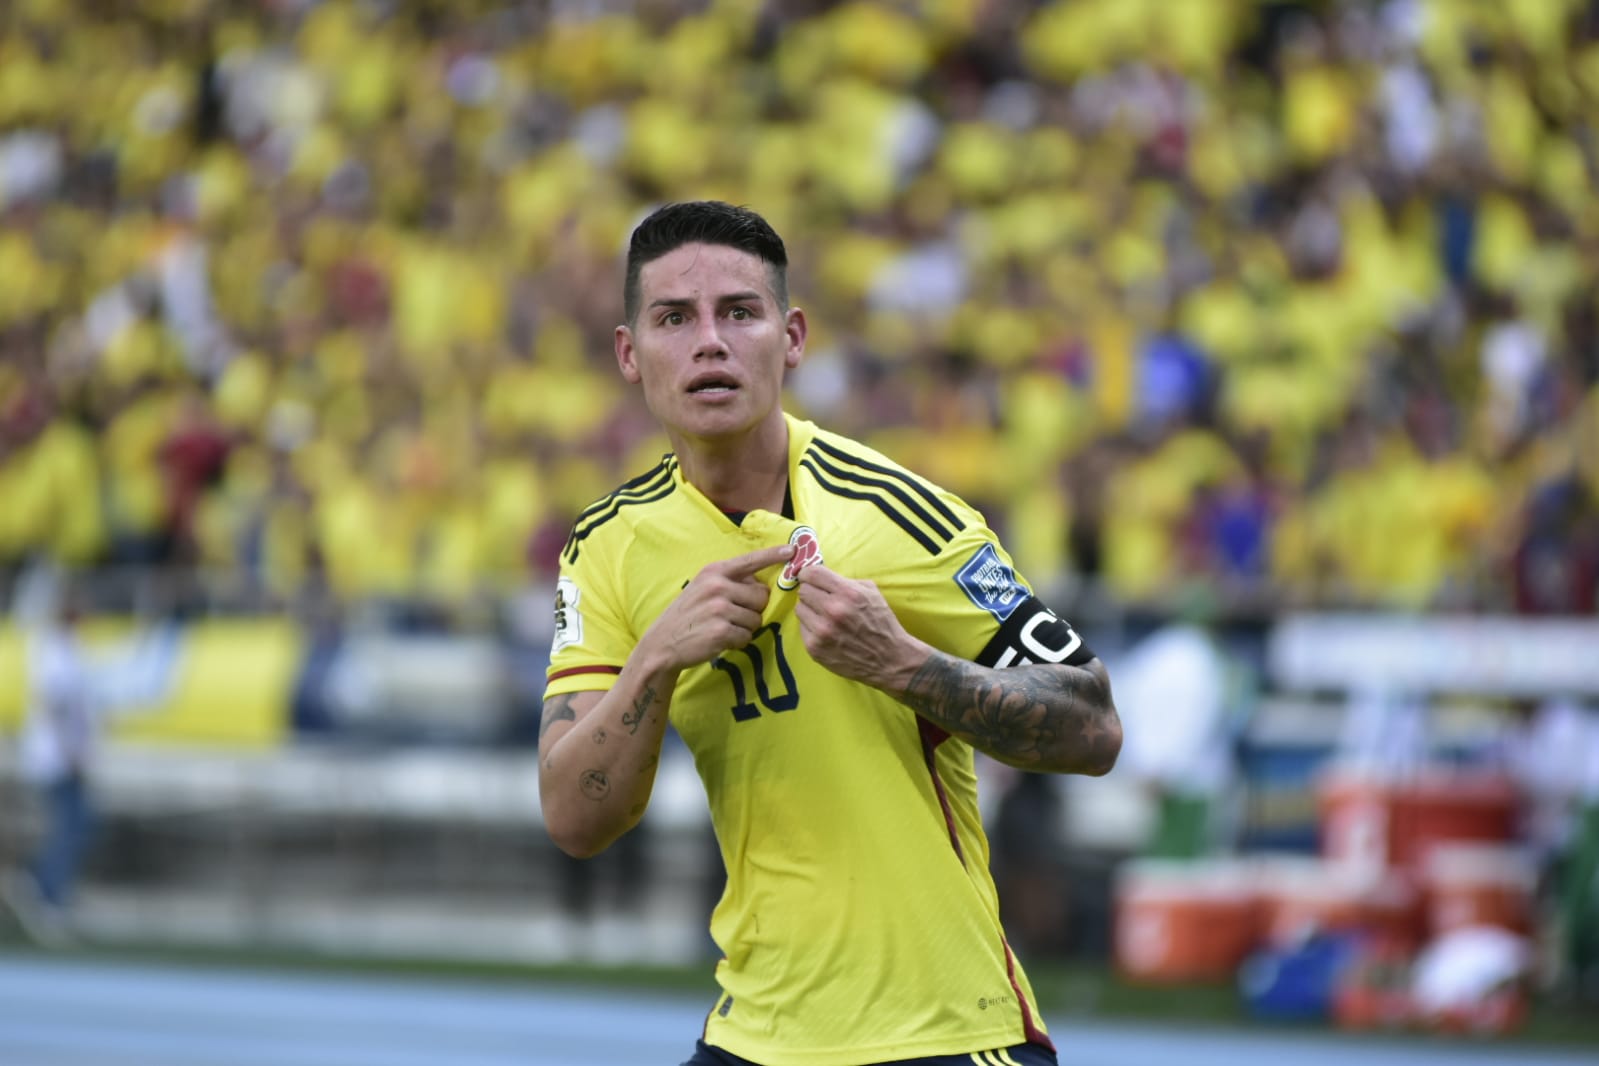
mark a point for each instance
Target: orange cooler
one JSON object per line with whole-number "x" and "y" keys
{"x": 1476, "y": 884}
{"x": 1301, "y": 896}
{"x": 1375, "y": 822}
{"x": 1357, "y": 819}
{"x": 1442, "y": 807}
{"x": 1182, "y": 922}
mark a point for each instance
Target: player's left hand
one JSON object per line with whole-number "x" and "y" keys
{"x": 849, "y": 628}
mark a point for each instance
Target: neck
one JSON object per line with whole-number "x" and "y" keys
{"x": 746, "y": 473}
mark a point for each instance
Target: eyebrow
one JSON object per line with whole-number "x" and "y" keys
{"x": 744, "y": 296}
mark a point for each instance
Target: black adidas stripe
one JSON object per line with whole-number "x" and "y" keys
{"x": 656, "y": 485}
{"x": 915, "y": 484}
{"x": 643, "y": 483}
{"x": 897, "y": 517}
{"x": 601, "y": 510}
{"x": 893, "y": 489}
{"x": 578, "y": 536}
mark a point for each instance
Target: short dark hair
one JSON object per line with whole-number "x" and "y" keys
{"x": 703, "y": 222}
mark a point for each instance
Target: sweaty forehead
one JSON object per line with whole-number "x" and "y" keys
{"x": 701, "y": 270}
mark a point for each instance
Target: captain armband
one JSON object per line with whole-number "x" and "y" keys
{"x": 1032, "y": 633}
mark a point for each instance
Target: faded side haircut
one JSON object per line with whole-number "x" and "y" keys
{"x": 703, "y": 222}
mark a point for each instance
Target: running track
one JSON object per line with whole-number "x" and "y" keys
{"x": 66, "y": 1012}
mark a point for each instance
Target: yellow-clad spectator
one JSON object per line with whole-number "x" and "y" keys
{"x": 52, "y": 499}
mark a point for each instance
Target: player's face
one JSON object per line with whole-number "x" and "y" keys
{"x": 711, "y": 344}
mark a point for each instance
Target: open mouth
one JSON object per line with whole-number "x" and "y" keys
{"x": 712, "y": 385}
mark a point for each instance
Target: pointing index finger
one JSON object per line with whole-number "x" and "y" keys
{"x": 750, "y": 563}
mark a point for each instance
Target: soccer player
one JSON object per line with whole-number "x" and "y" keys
{"x": 832, "y": 636}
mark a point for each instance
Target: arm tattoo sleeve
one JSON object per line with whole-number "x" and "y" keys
{"x": 1050, "y": 717}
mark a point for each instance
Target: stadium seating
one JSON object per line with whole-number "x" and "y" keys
{"x": 1293, "y": 303}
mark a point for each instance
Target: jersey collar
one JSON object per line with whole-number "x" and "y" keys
{"x": 758, "y": 525}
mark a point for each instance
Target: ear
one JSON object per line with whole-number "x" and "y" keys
{"x": 626, "y": 357}
{"x": 795, "y": 326}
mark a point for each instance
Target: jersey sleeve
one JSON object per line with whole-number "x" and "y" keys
{"x": 592, "y": 638}
{"x": 970, "y": 602}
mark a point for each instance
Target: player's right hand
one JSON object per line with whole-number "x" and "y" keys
{"x": 719, "y": 610}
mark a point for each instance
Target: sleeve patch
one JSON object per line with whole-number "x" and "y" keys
{"x": 568, "y": 619}
{"x": 991, "y": 584}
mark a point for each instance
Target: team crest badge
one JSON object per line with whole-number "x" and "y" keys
{"x": 807, "y": 550}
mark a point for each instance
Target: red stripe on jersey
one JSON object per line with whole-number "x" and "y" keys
{"x": 932, "y": 737}
{"x": 1035, "y": 1035}
{"x": 572, "y": 670}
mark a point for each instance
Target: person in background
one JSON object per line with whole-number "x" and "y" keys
{"x": 833, "y": 637}
{"x": 1176, "y": 689}
{"x": 72, "y": 693}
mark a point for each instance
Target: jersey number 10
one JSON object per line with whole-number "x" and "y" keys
{"x": 784, "y": 700}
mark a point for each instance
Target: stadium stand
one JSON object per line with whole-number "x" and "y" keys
{"x": 1293, "y": 299}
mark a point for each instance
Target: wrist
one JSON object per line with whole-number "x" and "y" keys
{"x": 653, "y": 657}
{"x": 901, "y": 668}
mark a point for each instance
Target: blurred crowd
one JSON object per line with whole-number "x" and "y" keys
{"x": 1301, "y": 297}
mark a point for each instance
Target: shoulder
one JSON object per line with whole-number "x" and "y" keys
{"x": 619, "y": 509}
{"x": 928, "y": 514}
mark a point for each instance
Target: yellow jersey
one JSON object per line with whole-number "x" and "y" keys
{"x": 860, "y": 923}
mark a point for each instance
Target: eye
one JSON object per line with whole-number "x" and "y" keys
{"x": 672, "y": 318}
{"x": 740, "y": 313}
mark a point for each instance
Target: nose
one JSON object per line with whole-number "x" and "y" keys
{"x": 708, "y": 342}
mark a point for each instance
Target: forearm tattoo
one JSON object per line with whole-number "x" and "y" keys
{"x": 556, "y": 709}
{"x": 633, "y": 717}
{"x": 1039, "y": 717}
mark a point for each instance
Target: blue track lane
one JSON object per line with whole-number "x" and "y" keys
{"x": 66, "y": 1012}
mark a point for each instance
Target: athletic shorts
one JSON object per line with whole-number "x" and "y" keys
{"x": 1017, "y": 1055}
